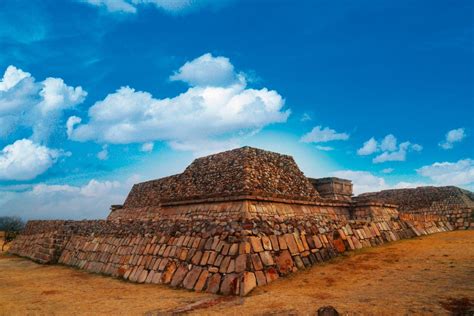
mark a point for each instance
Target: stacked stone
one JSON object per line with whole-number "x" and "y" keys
{"x": 333, "y": 188}
{"x": 228, "y": 223}
{"x": 235, "y": 208}
{"x": 243, "y": 171}
{"x": 216, "y": 256}
{"x": 374, "y": 211}
{"x": 452, "y": 203}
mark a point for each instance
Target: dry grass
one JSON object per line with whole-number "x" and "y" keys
{"x": 426, "y": 275}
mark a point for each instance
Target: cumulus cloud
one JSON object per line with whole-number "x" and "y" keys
{"x": 211, "y": 109}
{"x": 389, "y": 143}
{"x": 450, "y": 173}
{"x": 169, "y": 6}
{"x": 391, "y": 151}
{"x": 452, "y": 137}
{"x": 38, "y": 106}
{"x": 25, "y": 160}
{"x": 365, "y": 181}
{"x": 12, "y": 77}
{"x": 387, "y": 170}
{"x": 362, "y": 181}
{"x": 207, "y": 70}
{"x": 322, "y": 135}
{"x": 368, "y": 148}
{"x": 63, "y": 201}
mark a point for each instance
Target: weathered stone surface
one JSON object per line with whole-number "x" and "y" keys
{"x": 191, "y": 278}
{"x": 241, "y": 263}
{"x": 168, "y": 273}
{"x": 327, "y": 311}
{"x": 248, "y": 283}
{"x": 256, "y": 244}
{"x": 271, "y": 274}
{"x": 267, "y": 258}
{"x": 284, "y": 262}
{"x": 251, "y": 236}
{"x": 214, "y": 283}
{"x": 230, "y": 284}
{"x": 201, "y": 282}
{"x": 179, "y": 275}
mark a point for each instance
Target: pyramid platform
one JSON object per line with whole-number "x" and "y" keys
{"x": 234, "y": 221}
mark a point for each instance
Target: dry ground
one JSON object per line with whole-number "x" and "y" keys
{"x": 408, "y": 277}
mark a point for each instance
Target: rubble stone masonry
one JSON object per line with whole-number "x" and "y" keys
{"x": 231, "y": 222}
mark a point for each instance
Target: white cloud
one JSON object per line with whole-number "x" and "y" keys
{"x": 58, "y": 96}
{"x": 202, "y": 148}
{"x": 124, "y": 6}
{"x": 324, "y": 148}
{"x": 38, "y": 106}
{"x": 368, "y": 148}
{"x": 169, "y": 6}
{"x": 452, "y": 137}
{"x": 24, "y": 160}
{"x": 389, "y": 143}
{"x": 390, "y": 150}
{"x": 322, "y": 135}
{"x": 387, "y": 170}
{"x": 97, "y": 189}
{"x": 207, "y": 70}
{"x": 450, "y": 173}
{"x": 147, "y": 147}
{"x": 12, "y": 77}
{"x": 62, "y": 201}
{"x": 71, "y": 121}
{"x": 305, "y": 117}
{"x": 201, "y": 114}
{"x": 363, "y": 181}
{"x": 399, "y": 155}
{"x": 104, "y": 153}
{"x": 416, "y": 147}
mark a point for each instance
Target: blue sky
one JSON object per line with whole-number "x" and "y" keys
{"x": 97, "y": 95}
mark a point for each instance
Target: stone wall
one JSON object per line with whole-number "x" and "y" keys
{"x": 452, "y": 203}
{"x": 216, "y": 255}
{"x": 333, "y": 188}
{"x": 234, "y": 208}
{"x": 237, "y": 220}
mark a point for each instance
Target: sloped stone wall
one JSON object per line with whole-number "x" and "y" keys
{"x": 214, "y": 255}
{"x": 452, "y": 203}
{"x": 235, "y": 208}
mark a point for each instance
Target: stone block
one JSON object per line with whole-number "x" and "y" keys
{"x": 179, "y": 276}
{"x": 214, "y": 283}
{"x": 191, "y": 278}
{"x": 284, "y": 262}
{"x": 230, "y": 284}
{"x": 248, "y": 283}
{"x": 256, "y": 244}
{"x": 266, "y": 258}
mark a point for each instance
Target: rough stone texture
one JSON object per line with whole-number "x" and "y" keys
{"x": 453, "y": 203}
{"x": 224, "y": 240}
{"x": 333, "y": 188}
{"x": 243, "y": 171}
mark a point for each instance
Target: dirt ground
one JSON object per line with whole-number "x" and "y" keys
{"x": 419, "y": 276}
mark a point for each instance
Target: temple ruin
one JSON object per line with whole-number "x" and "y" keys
{"x": 237, "y": 220}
